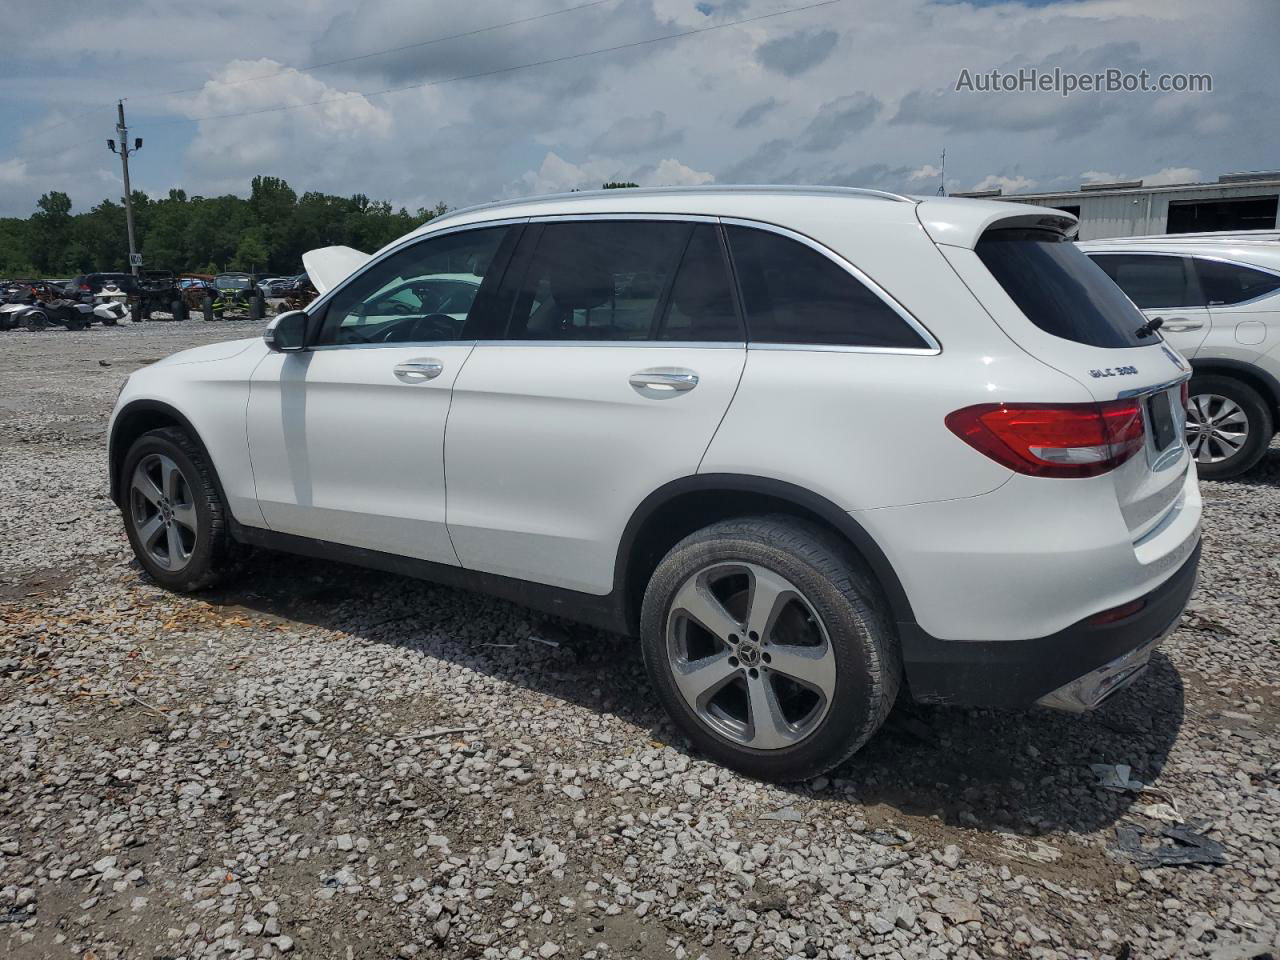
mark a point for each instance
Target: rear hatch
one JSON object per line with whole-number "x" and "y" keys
{"x": 1060, "y": 307}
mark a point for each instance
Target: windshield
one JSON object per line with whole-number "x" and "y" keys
{"x": 1061, "y": 290}
{"x": 232, "y": 283}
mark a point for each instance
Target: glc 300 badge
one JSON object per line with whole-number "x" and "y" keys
{"x": 1113, "y": 372}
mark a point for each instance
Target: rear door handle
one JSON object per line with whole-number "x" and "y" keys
{"x": 1181, "y": 324}
{"x": 418, "y": 371}
{"x": 665, "y": 378}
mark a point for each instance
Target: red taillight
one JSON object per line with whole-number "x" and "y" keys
{"x": 1053, "y": 439}
{"x": 1185, "y": 394}
{"x": 84, "y": 288}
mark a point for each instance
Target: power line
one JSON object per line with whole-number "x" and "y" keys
{"x": 375, "y": 53}
{"x": 501, "y": 70}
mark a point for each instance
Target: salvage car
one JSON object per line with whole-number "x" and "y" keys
{"x": 236, "y": 296}
{"x": 813, "y": 447}
{"x": 1217, "y": 298}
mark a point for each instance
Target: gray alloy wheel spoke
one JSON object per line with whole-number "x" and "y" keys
{"x": 701, "y": 679}
{"x": 184, "y": 514}
{"x": 177, "y": 556}
{"x": 696, "y": 601}
{"x": 768, "y": 727}
{"x": 769, "y": 594}
{"x": 171, "y": 479}
{"x": 147, "y": 487}
{"x": 149, "y": 532}
{"x": 812, "y": 666}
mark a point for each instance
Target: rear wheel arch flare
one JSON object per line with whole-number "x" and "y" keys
{"x": 682, "y": 506}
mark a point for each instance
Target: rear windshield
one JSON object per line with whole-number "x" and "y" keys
{"x": 1061, "y": 290}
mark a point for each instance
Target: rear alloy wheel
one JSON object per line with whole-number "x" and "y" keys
{"x": 1228, "y": 426}
{"x": 767, "y": 642}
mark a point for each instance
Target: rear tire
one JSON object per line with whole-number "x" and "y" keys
{"x": 190, "y": 547}
{"x": 135, "y": 312}
{"x": 829, "y": 627}
{"x": 178, "y": 309}
{"x": 206, "y": 308}
{"x": 1229, "y": 426}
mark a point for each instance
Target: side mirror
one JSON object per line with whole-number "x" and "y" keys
{"x": 287, "y": 333}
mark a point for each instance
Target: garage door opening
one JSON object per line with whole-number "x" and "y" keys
{"x": 1241, "y": 213}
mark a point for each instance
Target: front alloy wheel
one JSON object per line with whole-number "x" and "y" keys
{"x": 750, "y": 656}
{"x": 162, "y": 512}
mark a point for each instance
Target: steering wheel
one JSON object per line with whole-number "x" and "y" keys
{"x": 433, "y": 326}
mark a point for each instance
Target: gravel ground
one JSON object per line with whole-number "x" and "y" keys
{"x": 330, "y": 762}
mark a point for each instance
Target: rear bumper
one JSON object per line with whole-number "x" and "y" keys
{"x": 1074, "y": 669}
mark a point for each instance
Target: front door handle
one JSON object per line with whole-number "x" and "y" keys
{"x": 1181, "y": 324}
{"x": 418, "y": 371}
{"x": 665, "y": 378}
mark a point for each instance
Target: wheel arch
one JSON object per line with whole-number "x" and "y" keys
{"x": 141, "y": 416}
{"x": 1267, "y": 386}
{"x": 682, "y": 506}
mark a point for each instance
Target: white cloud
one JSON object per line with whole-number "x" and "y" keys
{"x": 1172, "y": 175}
{"x": 1006, "y": 184}
{"x": 927, "y": 172}
{"x": 558, "y": 175}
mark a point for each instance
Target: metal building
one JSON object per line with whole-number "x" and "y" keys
{"x": 1238, "y": 201}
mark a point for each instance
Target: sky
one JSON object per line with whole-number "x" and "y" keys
{"x": 853, "y": 92}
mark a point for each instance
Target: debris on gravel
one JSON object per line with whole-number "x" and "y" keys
{"x": 314, "y": 760}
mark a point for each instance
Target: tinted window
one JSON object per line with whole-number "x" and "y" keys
{"x": 1228, "y": 283}
{"x": 597, "y": 280}
{"x": 793, "y": 294}
{"x": 1152, "y": 281}
{"x": 1059, "y": 289}
{"x": 701, "y": 307}
{"x": 422, "y": 293}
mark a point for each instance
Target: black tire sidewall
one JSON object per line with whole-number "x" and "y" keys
{"x": 1261, "y": 425}
{"x": 854, "y": 712}
{"x": 197, "y": 571}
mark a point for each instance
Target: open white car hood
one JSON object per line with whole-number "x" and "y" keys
{"x": 329, "y": 266}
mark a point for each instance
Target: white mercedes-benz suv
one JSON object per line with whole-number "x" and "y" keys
{"x": 811, "y": 446}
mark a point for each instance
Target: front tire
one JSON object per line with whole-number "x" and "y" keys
{"x": 175, "y": 517}
{"x": 1229, "y": 426}
{"x": 768, "y": 643}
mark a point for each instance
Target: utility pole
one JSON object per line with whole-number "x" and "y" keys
{"x": 125, "y": 150}
{"x": 942, "y": 180}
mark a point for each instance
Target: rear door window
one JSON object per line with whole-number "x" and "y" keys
{"x": 625, "y": 280}
{"x": 791, "y": 293}
{"x": 1152, "y": 281}
{"x": 1229, "y": 283}
{"x": 1059, "y": 289}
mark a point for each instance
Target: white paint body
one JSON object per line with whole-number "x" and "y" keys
{"x": 527, "y": 459}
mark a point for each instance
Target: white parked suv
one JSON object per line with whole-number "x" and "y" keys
{"x": 1219, "y": 301}
{"x": 808, "y": 445}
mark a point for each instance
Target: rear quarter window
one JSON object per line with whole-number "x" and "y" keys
{"x": 1061, "y": 290}
{"x": 1229, "y": 283}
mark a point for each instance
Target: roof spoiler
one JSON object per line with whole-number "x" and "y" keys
{"x": 960, "y": 222}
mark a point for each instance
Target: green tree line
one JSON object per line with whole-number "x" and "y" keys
{"x": 266, "y": 233}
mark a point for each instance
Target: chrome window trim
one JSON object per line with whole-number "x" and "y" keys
{"x": 384, "y": 346}
{"x": 659, "y": 344}
{"x": 933, "y": 348}
{"x": 842, "y": 348}
{"x": 658, "y": 217}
